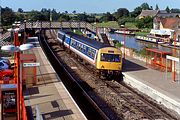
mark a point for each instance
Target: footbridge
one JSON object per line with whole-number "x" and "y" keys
{"x": 51, "y": 25}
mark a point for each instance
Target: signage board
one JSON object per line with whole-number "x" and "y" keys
{"x": 31, "y": 64}
{"x": 172, "y": 58}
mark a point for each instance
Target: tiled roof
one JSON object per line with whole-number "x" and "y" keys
{"x": 165, "y": 15}
{"x": 170, "y": 23}
{"x": 146, "y": 13}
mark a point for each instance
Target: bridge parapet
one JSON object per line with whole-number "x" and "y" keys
{"x": 53, "y": 25}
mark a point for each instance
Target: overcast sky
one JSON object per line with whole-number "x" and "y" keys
{"x": 89, "y": 6}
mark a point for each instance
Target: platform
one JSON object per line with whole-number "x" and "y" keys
{"x": 50, "y": 95}
{"x": 154, "y": 83}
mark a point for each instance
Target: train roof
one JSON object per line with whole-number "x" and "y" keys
{"x": 91, "y": 42}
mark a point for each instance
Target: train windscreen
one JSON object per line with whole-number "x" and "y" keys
{"x": 110, "y": 57}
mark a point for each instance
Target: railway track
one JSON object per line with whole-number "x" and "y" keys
{"x": 117, "y": 100}
{"x": 66, "y": 75}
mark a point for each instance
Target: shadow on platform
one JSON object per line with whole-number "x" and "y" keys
{"x": 39, "y": 96}
{"x": 33, "y": 90}
{"x": 56, "y": 114}
{"x": 131, "y": 66}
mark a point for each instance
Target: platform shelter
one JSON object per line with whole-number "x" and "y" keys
{"x": 156, "y": 59}
{"x": 28, "y": 73}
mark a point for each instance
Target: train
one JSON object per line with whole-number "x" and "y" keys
{"x": 106, "y": 59}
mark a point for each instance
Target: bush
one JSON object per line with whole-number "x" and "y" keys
{"x": 118, "y": 44}
{"x": 145, "y": 22}
{"x": 122, "y": 21}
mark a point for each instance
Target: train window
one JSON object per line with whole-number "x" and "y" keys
{"x": 79, "y": 46}
{"x": 89, "y": 51}
{"x": 83, "y": 48}
{"x": 110, "y": 57}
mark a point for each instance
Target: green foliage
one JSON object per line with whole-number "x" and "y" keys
{"x": 141, "y": 52}
{"x": 122, "y": 21}
{"x": 63, "y": 17}
{"x": 55, "y": 15}
{"x": 138, "y": 9}
{"x": 175, "y": 10}
{"x": 83, "y": 17}
{"x": 7, "y": 16}
{"x": 130, "y": 25}
{"x": 168, "y": 10}
{"x": 110, "y": 24}
{"x": 121, "y": 12}
{"x": 20, "y": 10}
{"x": 36, "y": 15}
{"x": 136, "y": 12}
{"x": 145, "y": 6}
{"x": 144, "y": 23}
{"x": 118, "y": 44}
{"x": 157, "y": 7}
{"x": 142, "y": 33}
{"x": 107, "y": 17}
{"x": 20, "y": 17}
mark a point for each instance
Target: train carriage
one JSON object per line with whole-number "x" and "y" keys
{"x": 105, "y": 58}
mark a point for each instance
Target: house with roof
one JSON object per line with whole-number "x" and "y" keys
{"x": 148, "y": 13}
{"x": 168, "y": 15}
{"x": 158, "y": 13}
{"x": 169, "y": 24}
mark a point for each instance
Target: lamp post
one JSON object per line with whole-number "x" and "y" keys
{"x": 17, "y": 49}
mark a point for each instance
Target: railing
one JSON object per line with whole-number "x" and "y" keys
{"x": 52, "y": 25}
{"x": 56, "y": 25}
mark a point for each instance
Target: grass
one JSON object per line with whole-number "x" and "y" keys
{"x": 110, "y": 24}
{"x": 143, "y": 32}
{"x": 130, "y": 25}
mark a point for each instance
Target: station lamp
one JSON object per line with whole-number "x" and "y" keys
{"x": 17, "y": 50}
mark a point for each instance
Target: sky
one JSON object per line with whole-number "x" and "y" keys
{"x": 88, "y": 6}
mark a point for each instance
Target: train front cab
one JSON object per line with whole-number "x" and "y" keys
{"x": 109, "y": 61}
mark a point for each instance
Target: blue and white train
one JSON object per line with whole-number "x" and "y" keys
{"x": 105, "y": 58}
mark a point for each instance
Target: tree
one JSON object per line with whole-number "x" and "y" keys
{"x": 167, "y": 9}
{"x": 145, "y": 22}
{"x": 107, "y": 17}
{"x": 20, "y": 10}
{"x": 20, "y": 17}
{"x": 157, "y": 8}
{"x": 122, "y": 21}
{"x": 175, "y": 10}
{"x": 121, "y": 12}
{"x": 66, "y": 12}
{"x": 145, "y": 6}
{"x": 151, "y": 7}
{"x": 63, "y": 17}
{"x": 55, "y": 15}
{"x": 36, "y": 15}
{"x": 136, "y": 12}
{"x": 8, "y": 16}
{"x": 74, "y": 12}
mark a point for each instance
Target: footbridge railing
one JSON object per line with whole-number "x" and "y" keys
{"x": 52, "y": 25}
{"x": 58, "y": 25}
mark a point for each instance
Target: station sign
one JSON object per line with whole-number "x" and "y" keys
{"x": 172, "y": 58}
{"x": 31, "y": 64}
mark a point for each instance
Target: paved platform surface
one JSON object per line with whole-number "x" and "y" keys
{"x": 154, "y": 83}
{"x": 50, "y": 95}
